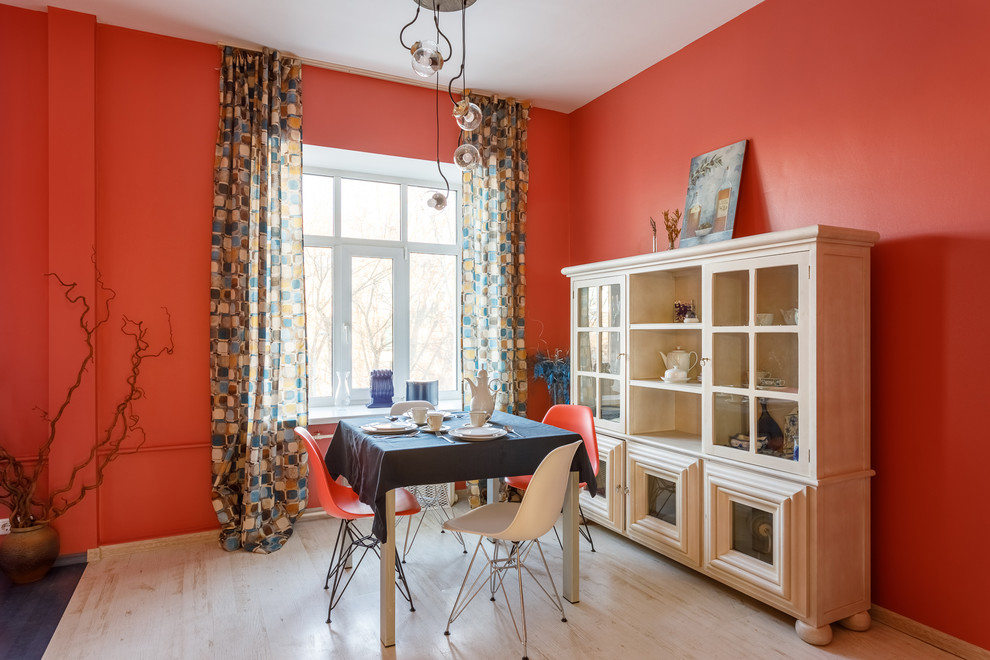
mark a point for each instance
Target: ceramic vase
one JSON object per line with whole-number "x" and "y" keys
{"x": 28, "y": 553}
{"x": 342, "y": 392}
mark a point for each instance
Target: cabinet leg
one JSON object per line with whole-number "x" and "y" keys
{"x": 817, "y": 636}
{"x": 859, "y": 622}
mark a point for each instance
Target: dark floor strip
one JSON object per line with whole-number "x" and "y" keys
{"x": 29, "y": 613}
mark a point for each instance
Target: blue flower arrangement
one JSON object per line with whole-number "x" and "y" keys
{"x": 555, "y": 370}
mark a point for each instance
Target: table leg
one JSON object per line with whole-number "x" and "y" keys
{"x": 493, "y": 484}
{"x": 570, "y": 540}
{"x": 387, "y": 577}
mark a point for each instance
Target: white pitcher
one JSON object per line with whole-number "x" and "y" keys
{"x": 481, "y": 393}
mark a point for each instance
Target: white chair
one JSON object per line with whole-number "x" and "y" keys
{"x": 405, "y": 406}
{"x": 517, "y": 526}
{"x": 431, "y": 497}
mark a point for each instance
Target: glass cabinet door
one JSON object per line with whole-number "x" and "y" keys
{"x": 597, "y": 362}
{"x": 752, "y": 407}
{"x": 751, "y": 525}
{"x": 664, "y": 501}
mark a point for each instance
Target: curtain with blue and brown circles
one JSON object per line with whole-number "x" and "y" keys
{"x": 493, "y": 291}
{"x": 257, "y": 306}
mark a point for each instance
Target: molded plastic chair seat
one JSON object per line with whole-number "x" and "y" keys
{"x": 485, "y": 519}
{"x": 405, "y": 406}
{"x": 578, "y": 419}
{"x": 348, "y": 503}
{"x": 342, "y": 502}
{"x": 516, "y": 526}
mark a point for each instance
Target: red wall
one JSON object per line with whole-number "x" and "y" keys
{"x": 869, "y": 115}
{"x": 862, "y": 114}
{"x": 131, "y": 121}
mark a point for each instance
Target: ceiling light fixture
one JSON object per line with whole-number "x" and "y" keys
{"x": 428, "y": 61}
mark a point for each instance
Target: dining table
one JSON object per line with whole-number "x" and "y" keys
{"x": 375, "y": 464}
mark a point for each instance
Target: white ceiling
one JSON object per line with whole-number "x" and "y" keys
{"x": 560, "y": 54}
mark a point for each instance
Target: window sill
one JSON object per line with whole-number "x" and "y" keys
{"x": 333, "y": 414}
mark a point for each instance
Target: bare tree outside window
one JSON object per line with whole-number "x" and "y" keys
{"x": 394, "y": 263}
{"x": 371, "y": 317}
{"x": 425, "y": 224}
{"x": 369, "y": 209}
{"x": 432, "y": 318}
{"x": 319, "y": 320}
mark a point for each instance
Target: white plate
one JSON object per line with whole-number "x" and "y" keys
{"x": 389, "y": 427}
{"x": 477, "y": 433}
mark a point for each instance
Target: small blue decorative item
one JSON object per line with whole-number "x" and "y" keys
{"x": 556, "y": 371}
{"x": 382, "y": 389}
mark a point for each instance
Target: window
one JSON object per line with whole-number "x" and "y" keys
{"x": 382, "y": 274}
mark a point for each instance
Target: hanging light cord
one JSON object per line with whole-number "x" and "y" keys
{"x": 402, "y": 31}
{"x": 436, "y": 21}
{"x": 437, "y": 98}
{"x": 460, "y": 74}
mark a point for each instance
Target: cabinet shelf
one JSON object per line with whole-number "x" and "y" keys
{"x": 665, "y": 326}
{"x": 689, "y": 443}
{"x": 693, "y": 387}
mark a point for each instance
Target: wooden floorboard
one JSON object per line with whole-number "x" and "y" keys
{"x": 198, "y": 601}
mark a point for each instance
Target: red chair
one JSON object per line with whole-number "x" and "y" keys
{"x": 578, "y": 419}
{"x": 342, "y": 502}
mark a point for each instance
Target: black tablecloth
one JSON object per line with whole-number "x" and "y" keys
{"x": 373, "y": 465}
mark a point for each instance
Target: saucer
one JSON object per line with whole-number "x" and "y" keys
{"x": 443, "y": 429}
{"x": 389, "y": 428}
{"x": 673, "y": 380}
{"x": 477, "y": 432}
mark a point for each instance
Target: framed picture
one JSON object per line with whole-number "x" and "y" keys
{"x": 713, "y": 188}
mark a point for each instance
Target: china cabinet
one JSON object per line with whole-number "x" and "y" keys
{"x": 737, "y": 435}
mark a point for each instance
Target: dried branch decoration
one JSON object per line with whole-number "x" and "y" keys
{"x": 671, "y": 222}
{"x": 18, "y": 486}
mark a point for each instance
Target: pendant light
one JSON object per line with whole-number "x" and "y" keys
{"x": 427, "y": 61}
{"x": 467, "y": 157}
{"x": 467, "y": 115}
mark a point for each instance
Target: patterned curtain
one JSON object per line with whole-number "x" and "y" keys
{"x": 494, "y": 252}
{"x": 257, "y": 308}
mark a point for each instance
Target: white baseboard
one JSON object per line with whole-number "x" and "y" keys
{"x": 118, "y": 549}
{"x": 929, "y": 635}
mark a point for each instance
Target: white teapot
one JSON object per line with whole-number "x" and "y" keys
{"x": 481, "y": 393}
{"x": 679, "y": 359}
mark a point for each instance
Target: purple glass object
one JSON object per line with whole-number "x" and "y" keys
{"x": 381, "y": 388}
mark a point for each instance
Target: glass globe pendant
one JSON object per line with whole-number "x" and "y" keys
{"x": 467, "y": 115}
{"x": 467, "y": 157}
{"x": 437, "y": 201}
{"x": 426, "y": 58}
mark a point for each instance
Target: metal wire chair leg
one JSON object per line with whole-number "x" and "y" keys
{"x": 522, "y": 602}
{"x": 585, "y": 531}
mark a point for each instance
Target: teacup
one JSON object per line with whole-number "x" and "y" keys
{"x": 434, "y": 419}
{"x": 764, "y": 319}
{"x": 418, "y": 414}
{"x": 479, "y": 417}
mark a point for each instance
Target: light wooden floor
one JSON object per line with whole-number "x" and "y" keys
{"x": 197, "y": 601}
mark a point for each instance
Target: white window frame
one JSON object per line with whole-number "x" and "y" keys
{"x": 341, "y": 164}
